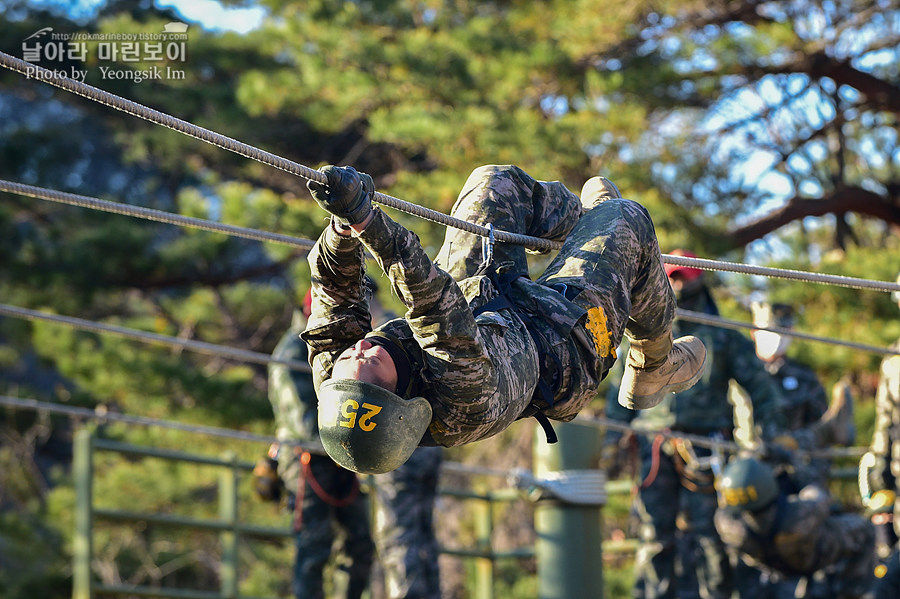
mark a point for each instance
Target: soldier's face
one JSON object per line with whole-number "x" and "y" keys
{"x": 368, "y": 363}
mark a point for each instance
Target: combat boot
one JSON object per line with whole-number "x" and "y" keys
{"x": 655, "y": 367}
{"x": 597, "y": 190}
{"x": 836, "y": 426}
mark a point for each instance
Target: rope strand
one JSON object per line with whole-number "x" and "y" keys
{"x": 203, "y": 347}
{"x": 227, "y": 143}
{"x": 160, "y": 216}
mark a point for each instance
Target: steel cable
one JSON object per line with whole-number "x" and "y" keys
{"x": 160, "y": 216}
{"x": 138, "y": 110}
{"x": 133, "y": 108}
{"x": 203, "y": 347}
{"x": 725, "y": 323}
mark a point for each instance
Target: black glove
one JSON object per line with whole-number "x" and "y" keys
{"x": 266, "y": 482}
{"x": 348, "y": 195}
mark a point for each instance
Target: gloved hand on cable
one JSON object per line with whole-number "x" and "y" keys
{"x": 347, "y": 196}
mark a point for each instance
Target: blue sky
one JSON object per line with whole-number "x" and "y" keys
{"x": 208, "y": 13}
{"x": 213, "y": 15}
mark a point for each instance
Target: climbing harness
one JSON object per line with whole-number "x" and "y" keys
{"x": 307, "y": 476}
{"x": 654, "y": 461}
{"x": 695, "y": 473}
{"x": 550, "y": 366}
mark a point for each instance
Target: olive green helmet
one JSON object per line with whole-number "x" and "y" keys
{"x": 368, "y": 429}
{"x": 748, "y": 485}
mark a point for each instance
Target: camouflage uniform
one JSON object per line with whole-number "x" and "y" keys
{"x": 885, "y": 475}
{"x": 404, "y": 526}
{"x": 799, "y": 535}
{"x": 479, "y": 373}
{"x": 886, "y": 437}
{"x": 672, "y": 479}
{"x": 804, "y": 396}
{"x": 804, "y": 403}
{"x": 330, "y": 497}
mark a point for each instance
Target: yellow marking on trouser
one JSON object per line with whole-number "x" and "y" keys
{"x": 597, "y": 327}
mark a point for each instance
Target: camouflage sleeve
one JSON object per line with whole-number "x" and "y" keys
{"x": 885, "y": 399}
{"x": 887, "y": 403}
{"x": 291, "y": 392}
{"x": 802, "y": 526}
{"x": 340, "y": 312}
{"x": 749, "y": 372}
{"x": 457, "y": 364}
{"x": 733, "y": 532}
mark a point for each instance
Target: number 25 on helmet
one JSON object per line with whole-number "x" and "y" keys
{"x": 366, "y": 428}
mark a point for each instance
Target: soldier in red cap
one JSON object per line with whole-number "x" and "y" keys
{"x": 677, "y": 481}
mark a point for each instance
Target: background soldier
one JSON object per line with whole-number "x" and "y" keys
{"x": 883, "y": 468}
{"x": 677, "y": 476}
{"x": 804, "y": 405}
{"x": 794, "y": 534}
{"x": 403, "y": 526}
{"x": 804, "y": 401}
{"x": 325, "y": 499}
{"x": 403, "y": 523}
{"x": 804, "y": 397}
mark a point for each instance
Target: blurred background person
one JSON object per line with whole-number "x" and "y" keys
{"x": 881, "y": 470}
{"x": 326, "y": 501}
{"x": 676, "y": 499}
{"x": 403, "y": 512}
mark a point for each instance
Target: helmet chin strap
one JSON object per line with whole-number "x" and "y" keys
{"x": 399, "y": 357}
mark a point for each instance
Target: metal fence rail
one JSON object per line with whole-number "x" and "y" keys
{"x": 230, "y": 528}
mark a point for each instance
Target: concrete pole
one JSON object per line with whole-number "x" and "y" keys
{"x": 569, "y": 536}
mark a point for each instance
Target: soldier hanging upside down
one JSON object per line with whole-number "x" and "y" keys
{"x": 481, "y": 344}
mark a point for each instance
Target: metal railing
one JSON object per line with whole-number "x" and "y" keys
{"x": 230, "y": 528}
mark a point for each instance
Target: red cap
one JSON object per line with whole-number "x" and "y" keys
{"x": 307, "y": 304}
{"x": 688, "y": 272}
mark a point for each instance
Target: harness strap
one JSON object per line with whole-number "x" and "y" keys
{"x": 503, "y": 284}
{"x": 654, "y": 461}
{"x": 306, "y": 476}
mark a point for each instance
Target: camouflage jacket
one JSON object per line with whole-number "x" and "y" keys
{"x": 886, "y": 437}
{"x": 804, "y": 397}
{"x": 478, "y": 374}
{"x": 291, "y": 392}
{"x": 798, "y": 535}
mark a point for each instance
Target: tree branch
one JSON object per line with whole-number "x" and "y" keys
{"x": 845, "y": 199}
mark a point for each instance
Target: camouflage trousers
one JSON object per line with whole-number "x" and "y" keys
{"x": 669, "y": 487}
{"x": 331, "y": 510}
{"x": 847, "y": 546}
{"x": 886, "y": 585}
{"x": 610, "y": 256}
{"x": 404, "y": 526}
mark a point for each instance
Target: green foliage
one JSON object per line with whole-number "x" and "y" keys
{"x": 678, "y": 102}
{"x": 31, "y": 557}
